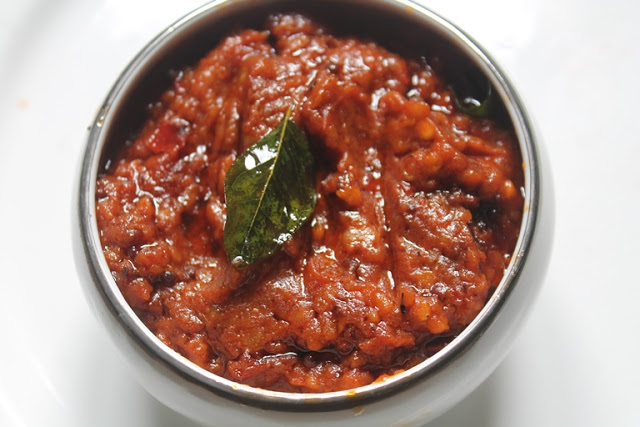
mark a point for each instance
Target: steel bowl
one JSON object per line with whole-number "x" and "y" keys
{"x": 414, "y": 396}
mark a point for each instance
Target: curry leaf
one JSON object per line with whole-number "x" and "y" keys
{"x": 473, "y": 94}
{"x": 269, "y": 192}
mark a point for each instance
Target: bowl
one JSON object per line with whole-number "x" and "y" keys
{"x": 412, "y": 397}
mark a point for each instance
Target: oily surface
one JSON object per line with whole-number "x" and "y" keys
{"x": 418, "y": 210}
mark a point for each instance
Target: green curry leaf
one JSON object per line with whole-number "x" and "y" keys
{"x": 473, "y": 95}
{"x": 270, "y": 194}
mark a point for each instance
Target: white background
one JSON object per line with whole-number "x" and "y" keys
{"x": 575, "y": 63}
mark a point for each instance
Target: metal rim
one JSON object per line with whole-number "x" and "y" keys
{"x": 118, "y": 307}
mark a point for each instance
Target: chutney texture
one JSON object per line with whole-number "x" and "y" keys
{"x": 418, "y": 212}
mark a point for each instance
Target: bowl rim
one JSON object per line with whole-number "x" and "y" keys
{"x": 307, "y": 402}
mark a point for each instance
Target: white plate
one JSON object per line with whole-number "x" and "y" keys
{"x": 576, "y": 363}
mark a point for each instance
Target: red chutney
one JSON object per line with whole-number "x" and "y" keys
{"x": 418, "y": 212}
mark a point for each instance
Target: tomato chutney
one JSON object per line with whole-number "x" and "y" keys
{"x": 418, "y": 212}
